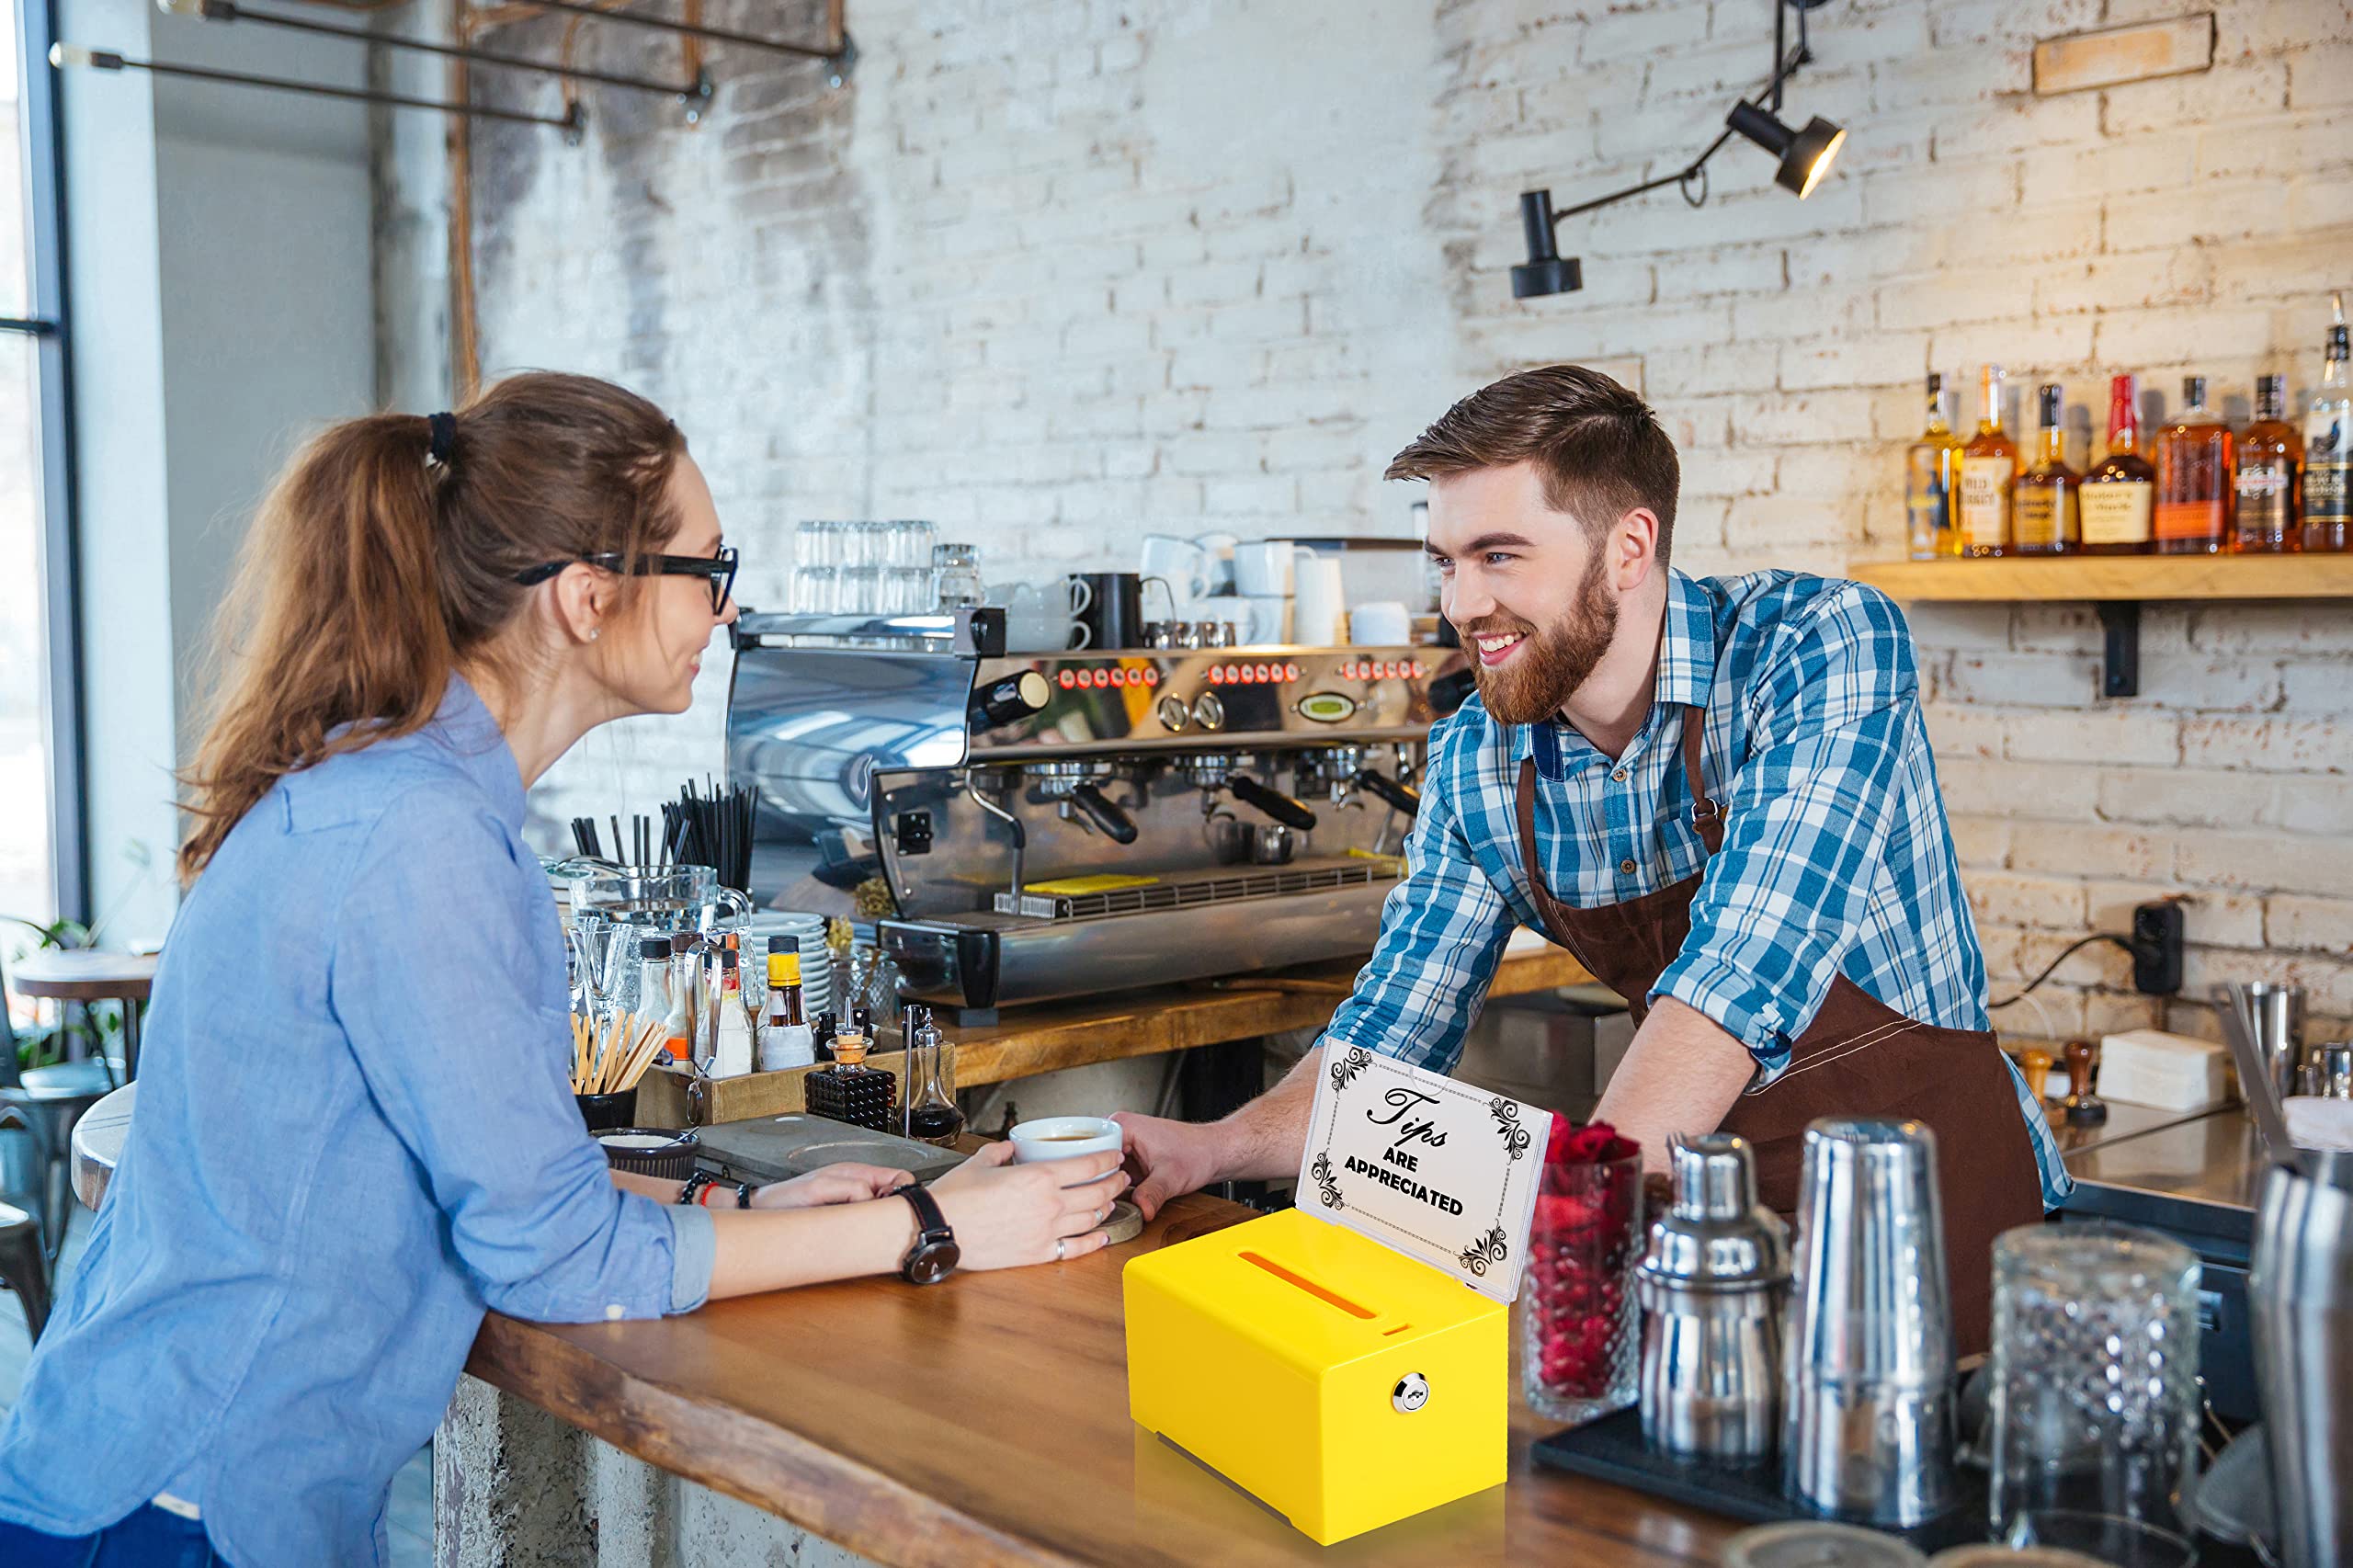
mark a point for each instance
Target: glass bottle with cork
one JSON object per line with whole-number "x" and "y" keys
{"x": 2267, "y": 488}
{"x": 2042, "y": 501}
{"x": 2193, "y": 513}
{"x": 846, "y": 1089}
{"x": 1931, "y": 483}
{"x": 1988, "y": 464}
{"x": 2117, "y": 499}
{"x": 2329, "y": 447}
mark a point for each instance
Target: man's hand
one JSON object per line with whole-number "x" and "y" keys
{"x": 1169, "y": 1159}
{"x": 844, "y": 1183}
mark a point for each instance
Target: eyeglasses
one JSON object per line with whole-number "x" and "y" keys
{"x": 717, "y": 570}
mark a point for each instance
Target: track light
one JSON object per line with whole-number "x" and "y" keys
{"x": 1805, "y": 159}
{"x": 1806, "y": 155}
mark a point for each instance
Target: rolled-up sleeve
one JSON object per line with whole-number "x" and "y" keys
{"x": 1783, "y": 903}
{"x": 1442, "y": 931}
{"x": 439, "y": 980}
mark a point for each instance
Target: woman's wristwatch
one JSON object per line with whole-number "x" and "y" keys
{"x": 935, "y": 1255}
{"x": 690, "y": 1194}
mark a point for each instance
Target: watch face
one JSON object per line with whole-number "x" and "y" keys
{"x": 933, "y": 1262}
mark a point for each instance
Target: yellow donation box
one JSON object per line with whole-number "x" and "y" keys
{"x": 1343, "y": 1384}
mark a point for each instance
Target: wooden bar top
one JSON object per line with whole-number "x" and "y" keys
{"x": 1051, "y": 1035}
{"x": 984, "y": 1421}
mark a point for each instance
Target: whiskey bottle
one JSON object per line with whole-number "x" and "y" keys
{"x": 2115, "y": 498}
{"x": 2328, "y": 449}
{"x": 1931, "y": 480}
{"x": 2042, "y": 501}
{"x": 2194, "y": 478}
{"x": 1988, "y": 464}
{"x": 846, "y": 1089}
{"x": 2270, "y": 464}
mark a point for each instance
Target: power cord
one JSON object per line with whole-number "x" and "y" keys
{"x": 2069, "y": 951}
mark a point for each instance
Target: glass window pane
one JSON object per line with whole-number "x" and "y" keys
{"x": 27, "y": 886}
{"x": 13, "y": 293}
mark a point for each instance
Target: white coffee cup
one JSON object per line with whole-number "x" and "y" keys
{"x": 1181, "y": 563}
{"x": 1219, "y": 549}
{"x": 1263, "y": 569}
{"x": 1064, "y": 1137}
{"x": 1381, "y": 624}
{"x": 1319, "y": 609}
{"x": 1264, "y": 622}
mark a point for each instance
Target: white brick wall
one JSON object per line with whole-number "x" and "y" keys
{"x": 1056, "y": 273}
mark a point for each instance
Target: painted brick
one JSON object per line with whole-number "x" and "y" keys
{"x": 2019, "y": 791}
{"x": 2278, "y": 744}
{"x": 2143, "y": 855}
{"x": 2319, "y": 924}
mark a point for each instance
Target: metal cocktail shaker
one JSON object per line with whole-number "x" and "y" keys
{"x": 1711, "y": 1285}
{"x": 2300, "y": 1288}
{"x": 1871, "y": 1417}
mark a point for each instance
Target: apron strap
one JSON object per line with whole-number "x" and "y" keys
{"x": 1707, "y": 816}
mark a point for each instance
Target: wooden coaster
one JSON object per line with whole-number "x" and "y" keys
{"x": 1126, "y": 1222}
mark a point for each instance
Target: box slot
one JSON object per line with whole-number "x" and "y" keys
{"x": 1310, "y": 1286}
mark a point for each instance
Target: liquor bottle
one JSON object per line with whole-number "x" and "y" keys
{"x": 2042, "y": 501}
{"x": 2115, "y": 498}
{"x": 2194, "y": 478}
{"x": 2328, "y": 449}
{"x": 785, "y": 1039}
{"x": 1931, "y": 480}
{"x": 1988, "y": 464}
{"x": 846, "y": 1089}
{"x": 934, "y": 1118}
{"x": 2270, "y": 463}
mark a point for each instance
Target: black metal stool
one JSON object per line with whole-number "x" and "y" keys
{"x": 24, "y": 1266}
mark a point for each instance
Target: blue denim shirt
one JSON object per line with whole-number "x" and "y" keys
{"x": 354, "y": 1134}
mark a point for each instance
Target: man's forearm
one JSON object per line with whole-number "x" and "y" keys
{"x": 1265, "y": 1139}
{"x": 1682, "y": 1074}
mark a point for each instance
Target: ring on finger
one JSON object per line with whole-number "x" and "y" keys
{"x": 1061, "y": 1243}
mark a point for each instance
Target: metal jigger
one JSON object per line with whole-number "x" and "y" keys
{"x": 1870, "y": 1417}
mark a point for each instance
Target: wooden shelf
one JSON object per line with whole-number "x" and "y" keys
{"x": 2132, "y": 577}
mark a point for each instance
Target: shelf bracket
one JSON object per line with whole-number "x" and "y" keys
{"x": 2121, "y": 667}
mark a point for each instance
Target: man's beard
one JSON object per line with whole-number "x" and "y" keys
{"x": 1537, "y": 681}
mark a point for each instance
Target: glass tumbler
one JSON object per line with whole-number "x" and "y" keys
{"x": 956, "y": 575}
{"x": 1580, "y": 1329}
{"x": 2094, "y": 1421}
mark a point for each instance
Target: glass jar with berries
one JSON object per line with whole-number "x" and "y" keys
{"x": 1580, "y": 1327}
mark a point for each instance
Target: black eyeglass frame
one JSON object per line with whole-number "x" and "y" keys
{"x": 717, "y": 570}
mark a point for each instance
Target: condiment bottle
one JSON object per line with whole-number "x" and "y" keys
{"x": 785, "y": 1040}
{"x": 732, "y": 1054}
{"x": 934, "y": 1118}
{"x": 653, "y": 978}
{"x": 847, "y": 1090}
{"x": 677, "y": 1019}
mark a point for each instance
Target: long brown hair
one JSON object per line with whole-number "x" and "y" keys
{"x": 379, "y": 562}
{"x": 1597, "y": 445}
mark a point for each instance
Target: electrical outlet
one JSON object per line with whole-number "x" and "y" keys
{"x": 2157, "y": 931}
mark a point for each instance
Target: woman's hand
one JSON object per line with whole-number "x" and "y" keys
{"x": 845, "y": 1183}
{"x": 1006, "y": 1215}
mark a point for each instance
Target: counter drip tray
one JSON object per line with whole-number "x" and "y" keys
{"x": 1223, "y": 884}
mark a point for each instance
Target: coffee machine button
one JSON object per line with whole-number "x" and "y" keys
{"x": 1173, "y": 714}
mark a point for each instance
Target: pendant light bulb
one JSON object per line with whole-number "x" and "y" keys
{"x": 1806, "y": 155}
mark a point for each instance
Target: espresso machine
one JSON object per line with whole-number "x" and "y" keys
{"x": 1060, "y": 824}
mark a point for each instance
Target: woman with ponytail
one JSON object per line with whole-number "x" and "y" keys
{"x": 354, "y": 1131}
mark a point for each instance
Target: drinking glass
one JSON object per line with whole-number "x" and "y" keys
{"x": 956, "y": 575}
{"x": 817, "y": 544}
{"x": 1581, "y": 1333}
{"x": 594, "y": 968}
{"x": 815, "y": 589}
{"x": 2094, "y": 1421}
{"x": 860, "y": 589}
{"x": 909, "y": 544}
{"x": 907, "y": 590}
{"x": 861, "y": 544}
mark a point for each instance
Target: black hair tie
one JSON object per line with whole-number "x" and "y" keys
{"x": 444, "y": 427}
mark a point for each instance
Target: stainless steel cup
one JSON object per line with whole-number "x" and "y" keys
{"x": 1870, "y": 1417}
{"x": 2328, "y": 1071}
{"x": 1712, "y": 1284}
{"x": 2278, "y": 1012}
{"x": 2300, "y": 1294}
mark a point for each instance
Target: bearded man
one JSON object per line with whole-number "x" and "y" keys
{"x": 1716, "y": 793}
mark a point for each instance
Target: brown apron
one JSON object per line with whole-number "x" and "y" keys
{"x": 1858, "y": 1057}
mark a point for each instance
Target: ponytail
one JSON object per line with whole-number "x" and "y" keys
{"x": 386, "y": 555}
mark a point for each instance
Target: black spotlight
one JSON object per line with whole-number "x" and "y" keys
{"x": 1806, "y": 155}
{"x": 1545, "y": 271}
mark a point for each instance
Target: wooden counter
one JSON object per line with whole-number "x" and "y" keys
{"x": 985, "y": 1421}
{"x": 1051, "y": 1036}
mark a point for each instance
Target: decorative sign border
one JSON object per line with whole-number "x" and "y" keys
{"x": 1492, "y": 1168}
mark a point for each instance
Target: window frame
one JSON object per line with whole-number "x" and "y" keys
{"x": 47, "y": 326}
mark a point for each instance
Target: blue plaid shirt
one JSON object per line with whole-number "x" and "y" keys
{"x": 1837, "y": 858}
